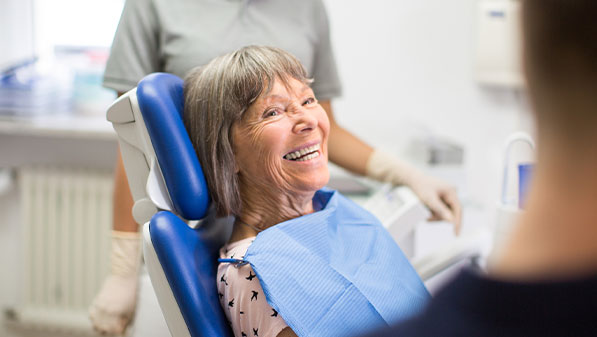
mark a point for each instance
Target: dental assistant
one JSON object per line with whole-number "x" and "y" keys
{"x": 176, "y": 35}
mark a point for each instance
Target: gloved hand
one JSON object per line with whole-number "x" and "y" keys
{"x": 440, "y": 197}
{"x": 114, "y": 305}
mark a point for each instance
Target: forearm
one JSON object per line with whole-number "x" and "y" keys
{"x": 122, "y": 216}
{"x": 344, "y": 148}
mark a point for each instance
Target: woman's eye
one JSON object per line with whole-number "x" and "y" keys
{"x": 271, "y": 113}
{"x": 309, "y": 100}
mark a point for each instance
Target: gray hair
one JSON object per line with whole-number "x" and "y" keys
{"x": 216, "y": 96}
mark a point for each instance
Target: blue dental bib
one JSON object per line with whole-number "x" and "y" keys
{"x": 335, "y": 272}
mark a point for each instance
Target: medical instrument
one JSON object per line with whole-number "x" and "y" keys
{"x": 398, "y": 209}
{"x": 525, "y": 172}
{"x": 508, "y": 208}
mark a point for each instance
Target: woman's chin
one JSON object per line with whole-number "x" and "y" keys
{"x": 316, "y": 182}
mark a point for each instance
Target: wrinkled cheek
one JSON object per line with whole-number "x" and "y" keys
{"x": 266, "y": 168}
{"x": 264, "y": 142}
{"x": 277, "y": 175}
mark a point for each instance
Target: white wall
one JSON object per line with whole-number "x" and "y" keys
{"x": 407, "y": 69}
{"x": 16, "y": 32}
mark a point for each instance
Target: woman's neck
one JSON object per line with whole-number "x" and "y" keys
{"x": 263, "y": 207}
{"x": 556, "y": 235}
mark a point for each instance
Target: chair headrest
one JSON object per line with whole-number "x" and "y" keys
{"x": 160, "y": 98}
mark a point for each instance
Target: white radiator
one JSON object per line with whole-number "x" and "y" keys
{"x": 66, "y": 218}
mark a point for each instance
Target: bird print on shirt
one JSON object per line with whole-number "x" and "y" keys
{"x": 247, "y": 312}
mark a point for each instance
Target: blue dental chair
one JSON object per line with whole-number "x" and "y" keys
{"x": 168, "y": 185}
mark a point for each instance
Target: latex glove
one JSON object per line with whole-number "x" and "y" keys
{"x": 438, "y": 196}
{"x": 114, "y": 306}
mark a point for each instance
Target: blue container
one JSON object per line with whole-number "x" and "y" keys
{"x": 525, "y": 172}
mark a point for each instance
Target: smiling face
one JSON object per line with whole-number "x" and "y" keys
{"x": 281, "y": 141}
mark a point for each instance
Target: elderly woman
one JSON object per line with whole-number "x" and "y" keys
{"x": 301, "y": 259}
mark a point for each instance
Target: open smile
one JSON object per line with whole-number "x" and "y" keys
{"x": 304, "y": 154}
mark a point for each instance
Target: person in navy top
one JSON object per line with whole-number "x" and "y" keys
{"x": 545, "y": 281}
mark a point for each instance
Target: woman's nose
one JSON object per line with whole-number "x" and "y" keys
{"x": 305, "y": 121}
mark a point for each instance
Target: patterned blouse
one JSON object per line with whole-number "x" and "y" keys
{"x": 242, "y": 298}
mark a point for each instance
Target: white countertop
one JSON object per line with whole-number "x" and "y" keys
{"x": 60, "y": 125}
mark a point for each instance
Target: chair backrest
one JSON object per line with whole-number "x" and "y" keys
{"x": 184, "y": 275}
{"x": 181, "y": 260}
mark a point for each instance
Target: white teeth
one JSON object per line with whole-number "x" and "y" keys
{"x": 309, "y": 157}
{"x": 300, "y": 154}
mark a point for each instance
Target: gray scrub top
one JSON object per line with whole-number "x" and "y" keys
{"x": 176, "y": 35}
